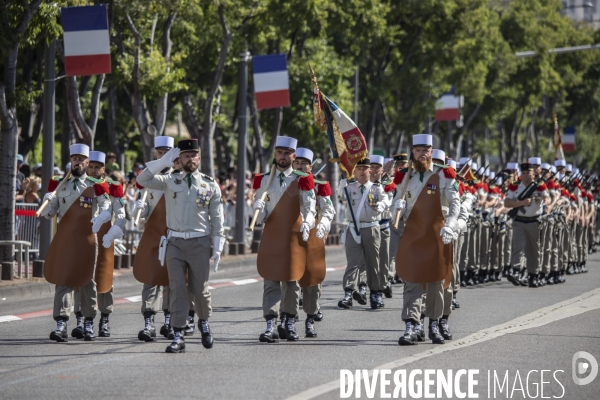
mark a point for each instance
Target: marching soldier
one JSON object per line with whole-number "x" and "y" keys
{"x": 194, "y": 214}
{"x": 400, "y": 162}
{"x": 526, "y": 232}
{"x": 362, "y": 237}
{"x": 325, "y": 214}
{"x": 289, "y": 212}
{"x": 424, "y": 254}
{"x": 70, "y": 259}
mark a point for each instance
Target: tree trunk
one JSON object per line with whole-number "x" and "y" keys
{"x": 111, "y": 122}
{"x": 8, "y": 173}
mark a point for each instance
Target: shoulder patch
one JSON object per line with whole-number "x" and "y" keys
{"x": 207, "y": 177}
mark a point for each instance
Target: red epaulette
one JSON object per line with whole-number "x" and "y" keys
{"x": 551, "y": 184}
{"x": 306, "y": 183}
{"x": 324, "y": 190}
{"x": 257, "y": 181}
{"x": 590, "y": 198}
{"x": 52, "y": 185}
{"x": 478, "y": 185}
{"x": 564, "y": 193}
{"x": 486, "y": 188}
{"x": 116, "y": 190}
{"x": 513, "y": 187}
{"x": 496, "y": 190}
{"x": 583, "y": 193}
{"x": 389, "y": 188}
{"x": 542, "y": 187}
{"x": 138, "y": 185}
{"x": 449, "y": 173}
{"x": 573, "y": 198}
{"x": 101, "y": 188}
{"x": 399, "y": 177}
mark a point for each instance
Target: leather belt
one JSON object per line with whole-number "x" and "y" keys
{"x": 368, "y": 224}
{"x": 527, "y": 219}
{"x": 186, "y": 235}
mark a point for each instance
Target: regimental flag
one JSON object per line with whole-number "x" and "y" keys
{"x": 568, "y": 139}
{"x": 447, "y": 108}
{"x": 271, "y": 81}
{"x": 347, "y": 143}
{"x": 467, "y": 173}
{"x": 557, "y": 141}
{"x": 87, "y": 42}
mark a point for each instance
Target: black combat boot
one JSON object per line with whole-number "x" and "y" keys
{"x": 376, "y": 300}
{"x": 310, "y": 331}
{"x": 281, "y": 328}
{"x": 470, "y": 280}
{"x": 420, "y": 329}
{"x": 178, "y": 344}
{"x": 148, "y": 334}
{"x": 190, "y": 325}
{"x": 164, "y": 330}
{"x": 541, "y": 279}
{"x": 513, "y": 276}
{"x": 550, "y": 278}
{"x": 360, "y": 295}
{"x": 60, "y": 333}
{"x": 270, "y": 335}
{"x": 444, "y": 329}
{"x": 532, "y": 281}
{"x": 290, "y": 330}
{"x": 410, "y": 336}
{"x": 77, "y": 332}
{"x": 346, "y": 302}
{"x": 388, "y": 290}
{"x": 463, "y": 278}
{"x": 207, "y": 337}
{"x": 88, "y": 330}
{"x": 434, "y": 332}
{"x": 103, "y": 327}
{"x": 318, "y": 316}
{"x": 454, "y": 302}
{"x": 570, "y": 270}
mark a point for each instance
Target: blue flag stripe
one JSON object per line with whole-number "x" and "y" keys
{"x": 269, "y": 63}
{"x": 87, "y": 18}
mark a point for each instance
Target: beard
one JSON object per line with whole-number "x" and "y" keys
{"x": 190, "y": 167}
{"x": 77, "y": 172}
{"x": 283, "y": 163}
{"x": 422, "y": 166}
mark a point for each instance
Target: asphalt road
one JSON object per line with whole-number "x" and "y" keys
{"x": 487, "y": 338}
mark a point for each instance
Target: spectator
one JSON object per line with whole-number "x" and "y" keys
{"x": 31, "y": 193}
{"x": 37, "y": 170}
{"x": 111, "y": 162}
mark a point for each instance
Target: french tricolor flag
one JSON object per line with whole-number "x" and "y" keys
{"x": 271, "y": 81}
{"x": 448, "y": 107}
{"x": 568, "y": 139}
{"x": 87, "y": 42}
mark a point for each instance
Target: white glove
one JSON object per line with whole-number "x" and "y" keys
{"x": 321, "y": 230}
{"x": 341, "y": 186}
{"x": 381, "y": 208}
{"x": 166, "y": 161}
{"x": 400, "y": 204}
{"x": 113, "y": 233}
{"x": 447, "y": 235}
{"x": 98, "y": 221}
{"x": 305, "y": 229}
{"x": 259, "y": 205}
{"x": 139, "y": 205}
{"x": 49, "y": 196}
{"x": 218, "y": 242}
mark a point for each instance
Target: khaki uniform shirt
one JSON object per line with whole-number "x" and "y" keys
{"x": 71, "y": 192}
{"x": 193, "y": 204}
{"x": 326, "y": 211}
{"x": 369, "y": 212}
{"x": 537, "y": 205}
{"x": 153, "y": 196}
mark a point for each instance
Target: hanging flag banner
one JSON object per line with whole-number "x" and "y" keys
{"x": 448, "y": 107}
{"x": 568, "y": 139}
{"x": 86, "y": 40}
{"x": 271, "y": 81}
{"x": 557, "y": 141}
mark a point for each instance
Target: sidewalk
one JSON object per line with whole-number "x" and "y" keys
{"x": 230, "y": 268}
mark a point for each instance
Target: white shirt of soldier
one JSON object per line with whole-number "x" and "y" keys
{"x": 152, "y": 198}
{"x": 369, "y": 212}
{"x": 70, "y": 192}
{"x": 280, "y": 183}
{"x": 537, "y": 204}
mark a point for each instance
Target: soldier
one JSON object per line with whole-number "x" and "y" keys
{"x": 400, "y": 162}
{"x": 289, "y": 213}
{"x": 362, "y": 237}
{"x": 104, "y": 263}
{"x": 194, "y": 214}
{"x": 425, "y": 251}
{"x": 325, "y": 213}
{"x": 526, "y": 232}
{"x": 70, "y": 259}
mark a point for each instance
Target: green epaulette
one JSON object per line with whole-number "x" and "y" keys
{"x": 112, "y": 182}
{"x": 89, "y": 178}
{"x": 320, "y": 182}
{"x": 300, "y": 173}
{"x": 57, "y": 178}
{"x": 440, "y": 165}
{"x": 405, "y": 170}
{"x": 385, "y": 183}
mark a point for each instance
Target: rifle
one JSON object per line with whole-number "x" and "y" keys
{"x": 527, "y": 193}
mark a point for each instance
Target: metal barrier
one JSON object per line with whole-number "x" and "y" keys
{"x": 19, "y": 251}
{"x": 27, "y": 226}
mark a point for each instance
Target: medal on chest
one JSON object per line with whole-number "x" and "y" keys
{"x": 431, "y": 188}
{"x": 203, "y": 196}
{"x": 85, "y": 202}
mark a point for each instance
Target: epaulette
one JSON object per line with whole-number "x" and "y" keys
{"x": 100, "y": 187}
{"x": 324, "y": 190}
{"x": 89, "y": 178}
{"x": 138, "y": 185}
{"x": 565, "y": 193}
{"x": 449, "y": 172}
{"x": 53, "y": 184}
{"x": 513, "y": 187}
{"x": 306, "y": 183}
{"x": 390, "y": 187}
{"x": 257, "y": 181}
{"x": 542, "y": 187}
{"x": 318, "y": 182}
{"x": 387, "y": 182}
{"x": 440, "y": 165}
{"x": 207, "y": 177}
{"x": 399, "y": 177}
{"x": 116, "y": 190}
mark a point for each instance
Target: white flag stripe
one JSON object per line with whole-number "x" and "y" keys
{"x": 447, "y": 101}
{"x": 343, "y": 121}
{"x": 271, "y": 81}
{"x": 568, "y": 139}
{"x": 86, "y": 43}
{"x": 8, "y": 318}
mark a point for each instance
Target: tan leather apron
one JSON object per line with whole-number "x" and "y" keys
{"x": 72, "y": 252}
{"x": 146, "y": 266}
{"x": 422, "y": 256}
{"x": 282, "y": 254}
{"x": 315, "y": 260}
{"x": 105, "y": 263}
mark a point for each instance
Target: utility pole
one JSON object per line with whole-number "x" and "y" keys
{"x": 48, "y": 142}
{"x": 240, "y": 222}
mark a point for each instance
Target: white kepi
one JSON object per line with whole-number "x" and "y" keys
{"x": 535, "y": 160}
{"x": 302, "y": 152}
{"x": 163, "y": 141}
{"x": 452, "y": 163}
{"x": 79, "y": 149}
{"x": 422, "y": 139}
{"x": 286, "y": 142}
{"x": 375, "y": 159}
{"x": 439, "y": 155}
{"x": 560, "y": 163}
{"x": 98, "y": 156}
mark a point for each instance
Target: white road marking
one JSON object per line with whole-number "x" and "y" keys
{"x": 244, "y": 281}
{"x": 8, "y": 318}
{"x": 569, "y": 308}
{"x": 134, "y": 299}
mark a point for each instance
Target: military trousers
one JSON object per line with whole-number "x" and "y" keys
{"x": 280, "y": 296}
{"x": 364, "y": 253}
{"x": 395, "y": 236}
{"x": 526, "y": 242}
{"x": 413, "y": 298}
{"x": 64, "y": 300}
{"x": 191, "y": 256}
{"x": 310, "y": 299}
{"x": 384, "y": 257}
{"x": 485, "y": 246}
{"x": 104, "y": 301}
{"x": 508, "y": 242}
{"x": 473, "y": 250}
{"x": 547, "y": 246}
